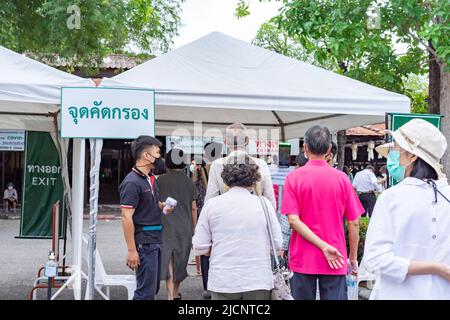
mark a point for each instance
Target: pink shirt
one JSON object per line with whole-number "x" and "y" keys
{"x": 321, "y": 196}
{"x": 276, "y": 189}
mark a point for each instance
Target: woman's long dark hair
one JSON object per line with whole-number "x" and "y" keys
{"x": 423, "y": 170}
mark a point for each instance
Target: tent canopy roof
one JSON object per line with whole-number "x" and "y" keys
{"x": 30, "y": 89}
{"x": 219, "y": 73}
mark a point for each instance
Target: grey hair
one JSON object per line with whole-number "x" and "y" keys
{"x": 236, "y": 135}
{"x": 318, "y": 139}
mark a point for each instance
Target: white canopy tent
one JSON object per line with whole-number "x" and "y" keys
{"x": 30, "y": 94}
{"x": 218, "y": 79}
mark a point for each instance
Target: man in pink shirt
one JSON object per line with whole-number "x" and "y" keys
{"x": 316, "y": 199}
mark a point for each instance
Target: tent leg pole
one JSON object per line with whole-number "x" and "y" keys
{"x": 96, "y": 150}
{"x": 65, "y": 245}
{"x": 77, "y": 212}
{"x": 282, "y": 126}
{"x": 3, "y": 171}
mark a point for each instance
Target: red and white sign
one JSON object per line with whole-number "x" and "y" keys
{"x": 263, "y": 147}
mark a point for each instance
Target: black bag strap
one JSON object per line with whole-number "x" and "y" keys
{"x": 436, "y": 191}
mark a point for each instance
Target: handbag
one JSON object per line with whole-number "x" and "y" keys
{"x": 281, "y": 290}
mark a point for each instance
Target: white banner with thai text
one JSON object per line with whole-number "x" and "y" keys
{"x": 109, "y": 113}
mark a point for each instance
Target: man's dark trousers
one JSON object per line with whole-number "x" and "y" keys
{"x": 331, "y": 287}
{"x": 148, "y": 272}
{"x": 204, "y": 264}
{"x": 368, "y": 201}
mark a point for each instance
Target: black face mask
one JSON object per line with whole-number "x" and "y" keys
{"x": 157, "y": 156}
{"x": 149, "y": 162}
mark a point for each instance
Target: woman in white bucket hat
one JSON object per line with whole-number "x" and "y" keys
{"x": 408, "y": 240}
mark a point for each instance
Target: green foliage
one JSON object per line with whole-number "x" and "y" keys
{"x": 270, "y": 37}
{"x": 422, "y": 22}
{"x": 363, "y": 225}
{"x": 339, "y": 30}
{"x": 340, "y": 33}
{"x": 416, "y": 88}
{"x": 45, "y": 27}
{"x": 242, "y": 9}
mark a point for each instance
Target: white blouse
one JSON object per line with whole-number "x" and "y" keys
{"x": 233, "y": 225}
{"x": 407, "y": 226}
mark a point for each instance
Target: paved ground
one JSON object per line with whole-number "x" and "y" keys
{"x": 21, "y": 259}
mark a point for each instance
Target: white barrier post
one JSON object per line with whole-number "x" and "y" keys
{"x": 77, "y": 212}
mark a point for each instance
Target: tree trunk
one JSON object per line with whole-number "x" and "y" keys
{"x": 341, "y": 141}
{"x": 434, "y": 86}
{"x": 445, "y": 111}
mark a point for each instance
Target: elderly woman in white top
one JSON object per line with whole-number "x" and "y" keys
{"x": 408, "y": 240}
{"x": 233, "y": 226}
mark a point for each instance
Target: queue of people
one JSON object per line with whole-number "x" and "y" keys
{"x": 220, "y": 214}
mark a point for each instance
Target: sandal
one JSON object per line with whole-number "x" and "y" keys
{"x": 178, "y": 298}
{"x": 192, "y": 262}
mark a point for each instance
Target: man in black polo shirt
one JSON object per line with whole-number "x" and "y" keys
{"x": 141, "y": 217}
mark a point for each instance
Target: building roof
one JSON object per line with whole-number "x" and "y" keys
{"x": 111, "y": 61}
{"x": 367, "y": 130}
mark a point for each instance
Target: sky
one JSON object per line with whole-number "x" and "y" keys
{"x": 200, "y": 17}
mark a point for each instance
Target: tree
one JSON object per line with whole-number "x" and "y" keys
{"x": 416, "y": 88}
{"x": 270, "y": 37}
{"x": 83, "y": 32}
{"x": 360, "y": 36}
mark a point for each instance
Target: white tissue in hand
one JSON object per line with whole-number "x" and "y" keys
{"x": 170, "y": 203}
